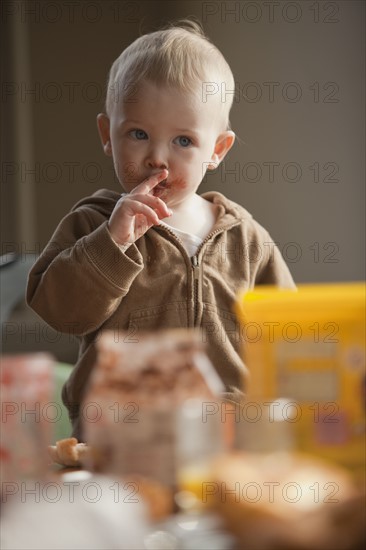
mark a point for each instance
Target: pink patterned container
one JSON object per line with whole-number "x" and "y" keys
{"x": 27, "y": 410}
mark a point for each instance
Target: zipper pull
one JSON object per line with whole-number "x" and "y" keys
{"x": 195, "y": 262}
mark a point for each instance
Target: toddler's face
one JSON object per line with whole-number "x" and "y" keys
{"x": 164, "y": 128}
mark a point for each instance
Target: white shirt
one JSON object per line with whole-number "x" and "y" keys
{"x": 191, "y": 242}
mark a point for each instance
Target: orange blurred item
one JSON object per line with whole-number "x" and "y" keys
{"x": 69, "y": 452}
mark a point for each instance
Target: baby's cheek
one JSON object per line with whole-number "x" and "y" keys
{"x": 130, "y": 172}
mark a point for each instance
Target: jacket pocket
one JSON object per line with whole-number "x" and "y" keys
{"x": 171, "y": 315}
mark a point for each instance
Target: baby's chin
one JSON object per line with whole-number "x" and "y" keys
{"x": 128, "y": 187}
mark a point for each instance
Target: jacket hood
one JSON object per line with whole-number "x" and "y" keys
{"x": 228, "y": 208}
{"x": 104, "y": 200}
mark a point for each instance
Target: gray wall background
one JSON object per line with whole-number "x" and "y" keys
{"x": 298, "y": 167}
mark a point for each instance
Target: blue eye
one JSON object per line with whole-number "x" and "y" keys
{"x": 184, "y": 141}
{"x": 138, "y": 134}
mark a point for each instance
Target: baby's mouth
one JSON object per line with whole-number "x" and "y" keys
{"x": 162, "y": 187}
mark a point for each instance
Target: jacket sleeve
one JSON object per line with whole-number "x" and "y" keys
{"x": 82, "y": 275}
{"x": 273, "y": 270}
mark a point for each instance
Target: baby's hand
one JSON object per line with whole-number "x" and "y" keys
{"x": 137, "y": 211}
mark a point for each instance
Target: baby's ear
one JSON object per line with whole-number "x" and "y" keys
{"x": 223, "y": 144}
{"x": 103, "y": 129}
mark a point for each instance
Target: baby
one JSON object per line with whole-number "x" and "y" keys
{"x": 159, "y": 255}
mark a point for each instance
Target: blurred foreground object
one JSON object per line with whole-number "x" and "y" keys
{"x": 287, "y": 501}
{"x": 129, "y": 410}
{"x": 75, "y": 512}
{"x": 200, "y": 439}
{"x": 27, "y": 415}
{"x": 308, "y": 346}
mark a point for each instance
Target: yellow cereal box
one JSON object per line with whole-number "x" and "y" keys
{"x": 308, "y": 345}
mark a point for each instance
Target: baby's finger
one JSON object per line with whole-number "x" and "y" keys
{"x": 147, "y": 185}
{"x": 155, "y": 203}
{"x": 136, "y": 207}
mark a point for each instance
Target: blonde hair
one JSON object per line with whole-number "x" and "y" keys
{"x": 179, "y": 56}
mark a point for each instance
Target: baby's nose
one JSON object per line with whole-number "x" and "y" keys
{"x": 157, "y": 158}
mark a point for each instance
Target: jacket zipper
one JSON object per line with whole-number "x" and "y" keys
{"x": 196, "y": 288}
{"x": 197, "y": 291}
